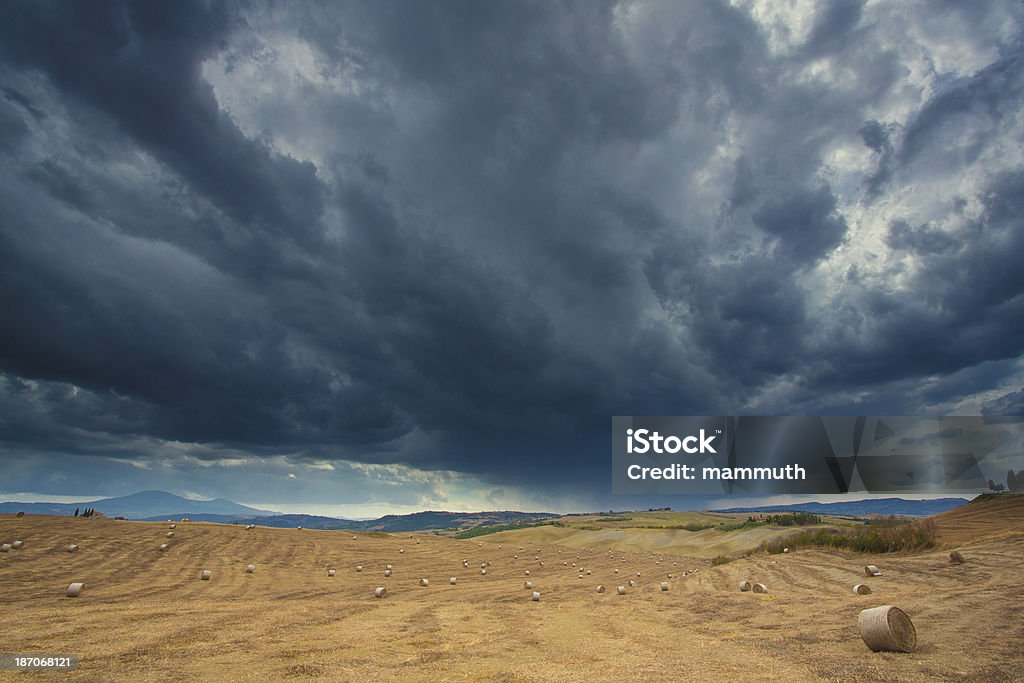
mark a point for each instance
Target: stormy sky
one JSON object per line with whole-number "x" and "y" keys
{"x": 363, "y": 257}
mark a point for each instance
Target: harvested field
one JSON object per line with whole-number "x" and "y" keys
{"x": 148, "y": 618}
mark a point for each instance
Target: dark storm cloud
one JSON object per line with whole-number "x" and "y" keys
{"x": 460, "y": 236}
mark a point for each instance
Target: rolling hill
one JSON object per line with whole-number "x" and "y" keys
{"x": 141, "y": 505}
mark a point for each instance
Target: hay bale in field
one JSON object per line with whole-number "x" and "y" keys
{"x": 527, "y": 573}
{"x": 956, "y": 558}
{"x": 528, "y": 585}
{"x": 17, "y": 545}
{"x": 359, "y": 567}
{"x": 170, "y": 534}
{"x": 760, "y": 588}
{"x": 588, "y": 572}
{"x": 20, "y": 513}
{"x": 535, "y": 597}
{"x": 387, "y": 566}
{"x": 515, "y": 557}
{"x": 872, "y": 570}
{"x": 600, "y": 589}
{"x": 745, "y": 586}
{"x": 381, "y": 592}
{"x": 401, "y": 551}
{"x": 75, "y": 589}
{"x": 638, "y": 574}
{"x": 424, "y": 582}
{"x": 205, "y": 576}
{"x": 664, "y": 585}
{"x": 353, "y": 538}
{"x": 453, "y": 581}
{"x": 465, "y": 563}
{"x": 862, "y": 589}
{"x": 632, "y": 583}
{"x": 249, "y": 569}
{"x": 483, "y": 572}
{"x": 887, "y": 629}
{"x": 616, "y": 571}
{"x": 72, "y": 548}
{"x": 670, "y": 575}
{"x": 387, "y": 572}
{"x": 173, "y": 526}
{"x": 163, "y": 547}
{"x": 621, "y": 590}
{"x": 785, "y": 550}
{"x": 331, "y": 572}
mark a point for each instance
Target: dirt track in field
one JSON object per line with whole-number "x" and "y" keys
{"x": 146, "y": 615}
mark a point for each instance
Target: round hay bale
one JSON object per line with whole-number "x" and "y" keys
{"x": 862, "y": 589}
{"x": 465, "y": 563}
{"x": 74, "y": 548}
{"x": 621, "y": 590}
{"x": 872, "y": 570}
{"x": 387, "y": 572}
{"x": 205, "y": 576}
{"x": 331, "y": 572}
{"x": 956, "y": 558}
{"x": 632, "y": 583}
{"x": 785, "y": 550}
{"x": 527, "y": 573}
{"x": 424, "y": 582}
{"x": 453, "y": 581}
{"x": 163, "y": 547}
{"x": 17, "y": 545}
{"x": 75, "y": 589}
{"x": 353, "y": 538}
{"x": 638, "y": 574}
{"x": 664, "y": 585}
{"x": 21, "y": 513}
{"x": 482, "y": 572}
{"x": 299, "y": 528}
{"x": 359, "y": 567}
{"x": 760, "y": 588}
{"x": 887, "y": 629}
{"x": 588, "y": 572}
{"x": 249, "y": 569}
{"x": 387, "y": 566}
{"x": 600, "y": 589}
{"x": 542, "y": 563}
{"x": 483, "y": 565}
{"x": 535, "y": 597}
{"x": 381, "y": 592}
{"x": 170, "y": 534}
{"x": 515, "y": 557}
{"x": 528, "y": 585}
{"x": 745, "y": 586}
{"x": 401, "y": 551}
{"x": 173, "y": 526}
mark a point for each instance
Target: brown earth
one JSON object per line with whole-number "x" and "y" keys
{"x": 146, "y": 616}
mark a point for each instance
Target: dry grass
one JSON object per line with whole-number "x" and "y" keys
{"x": 145, "y": 615}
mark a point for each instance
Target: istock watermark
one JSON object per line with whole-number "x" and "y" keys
{"x": 812, "y": 454}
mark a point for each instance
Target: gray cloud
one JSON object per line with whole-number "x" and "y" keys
{"x": 460, "y": 236}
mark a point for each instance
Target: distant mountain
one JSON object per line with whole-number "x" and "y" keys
{"x": 419, "y": 521}
{"x": 145, "y": 504}
{"x": 863, "y": 508}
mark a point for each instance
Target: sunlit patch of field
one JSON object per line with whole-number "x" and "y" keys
{"x": 145, "y": 615}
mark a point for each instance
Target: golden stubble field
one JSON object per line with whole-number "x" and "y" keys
{"x": 145, "y": 615}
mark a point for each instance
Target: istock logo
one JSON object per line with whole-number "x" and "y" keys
{"x": 648, "y": 441}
